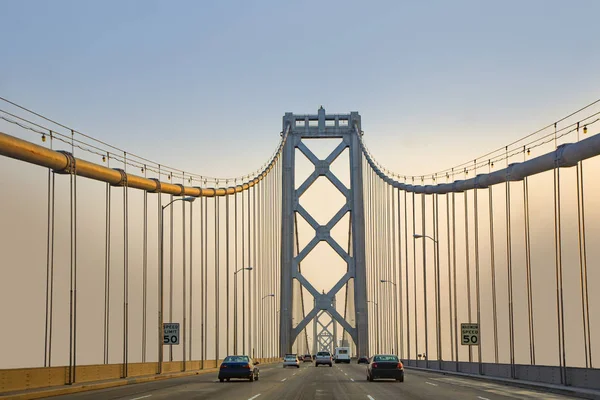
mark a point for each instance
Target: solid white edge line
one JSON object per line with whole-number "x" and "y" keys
{"x": 253, "y": 397}
{"x": 370, "y": 398}
{"x": 482, "y": 398}
{"x": 352, "y": 379}
{"x": 143, "y": 397}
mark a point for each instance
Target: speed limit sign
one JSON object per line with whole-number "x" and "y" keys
{"x": 171, "y": 333}
{"x": 469, "y": 334}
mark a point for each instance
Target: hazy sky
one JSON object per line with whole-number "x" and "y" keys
{"x": 182, "y": 82}
{"x": 203, "y": 86}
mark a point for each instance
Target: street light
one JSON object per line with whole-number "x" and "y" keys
{"x": 376, "y": 322}
{"x": 437, "y": 297}
{"x": 235, "y": 307}
{"x": 395, "y": 312}
{"x": 160, "y": 281}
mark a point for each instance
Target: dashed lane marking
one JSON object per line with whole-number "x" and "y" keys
{"x": 370, "y": 398}
{"x": 352, "y": 379}
{"x": 432, "y": 384}
{"x": 143, "y": 397}
{"x": 284, "y": 379}
{"x": 253, "y": 397}
{"x": 482, "y": 398}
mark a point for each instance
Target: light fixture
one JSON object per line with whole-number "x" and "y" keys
{"x": 43, "y": 137}
{"x": 585, "y": 129}
{"x": 492, "y": 164}
{"x": 103, "y": 158}
{"x": 528, "y": 151}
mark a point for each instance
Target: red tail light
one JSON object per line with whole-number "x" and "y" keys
{"x": 400, "y": 366}
{"x": 247, "y": 366}
{"x": 223, "y": 366}
{"x": 374, "y": 365}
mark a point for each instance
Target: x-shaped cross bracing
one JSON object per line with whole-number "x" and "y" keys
{"x": 323, "y": 301}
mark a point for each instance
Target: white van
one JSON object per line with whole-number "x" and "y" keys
{"x": 342, "y": 354}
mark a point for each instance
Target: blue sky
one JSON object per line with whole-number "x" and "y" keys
{"x": 186, "y": 82}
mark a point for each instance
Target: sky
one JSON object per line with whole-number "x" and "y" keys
{"x": 202, "y": 86}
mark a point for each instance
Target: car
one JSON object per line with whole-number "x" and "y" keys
{"x": 291, "y": 361}
{"x": 239, "y": 367}
{"x": 307, "y": 358}
{"x": 323, "y": 357}
{"x": 363, "y": 360}
{"x": 385, "y": 366}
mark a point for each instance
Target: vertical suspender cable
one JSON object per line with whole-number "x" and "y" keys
{"x": 191, "y": 341}
{"x": 205, "y": 222}
{"x": 125, "y": 267}
{"x": 235, "y": 268}
{"x": 468, "y": 267}
{"x": 184, "y": 283}
{"x": 171, "y": 212}
{"x": 450, "y": 313}
{"x": 477, "y": 283}
{"x": 455, "y": 303}
{"x": 559, "y": 276}
{"x": 528, "y": 270}
{"x": 585, "y": 306}
{"x": 145, "y": 274}
{"x": 406, "y": 280}
{"x": 438, "y": 300}
{"x": 395, "y": 275}
{"x": 159, "y": 279}
{"x": 217, "y": 283}
{"x": 423, "y": 227}
{"x": 400, "y": 278}
{"x": 49, "y": 268}
{"x": 253, "y": 279}
{"x": 227, "y": 276}
{"x": 510, "y": 280}
{"x": 202, "y": 287}
{"x": 73, "y": 265}
{"x": 493, "y": 273}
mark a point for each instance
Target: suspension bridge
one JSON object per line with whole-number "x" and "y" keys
{"x": 145, "y": 271}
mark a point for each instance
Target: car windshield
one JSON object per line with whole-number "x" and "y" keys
{"x": 385, "y": 358}
{"x": 236, "y": 359}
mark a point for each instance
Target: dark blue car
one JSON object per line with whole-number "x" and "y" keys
{"x": 239, "y": 367}
{"x": 384, "y": 366}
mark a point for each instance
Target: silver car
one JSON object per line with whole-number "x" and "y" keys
{"x": 291, "y": 361}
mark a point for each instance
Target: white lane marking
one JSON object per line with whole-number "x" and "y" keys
{"x": 432, "y": 384}
{"x": 352, "y": 379}
{"x": 284, "y": 379}
{"x": 253, "y": 397}
{"x": 370, "y": 398}
{"x": 482, "y": 398}
{"x": 143, "y": 397}
{"x": 293, "y": 374}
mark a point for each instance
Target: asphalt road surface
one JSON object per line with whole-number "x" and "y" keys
{"x": 342, "y": 381}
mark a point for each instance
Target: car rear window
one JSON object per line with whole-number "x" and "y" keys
{"x": 386, "y": 358}
{"x": 236, "y": 359}
{"x": 343, "y": 351}
{"x": 323, "y": 353}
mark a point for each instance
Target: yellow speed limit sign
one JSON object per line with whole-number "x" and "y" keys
{"x": 469, "y": 334}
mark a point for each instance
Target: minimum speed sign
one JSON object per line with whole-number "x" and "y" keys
{"x": 469, "y": 334}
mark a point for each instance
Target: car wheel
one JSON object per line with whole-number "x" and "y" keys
{"x": 228, "y": 379}
{"x": 256, "y": 377}
{"x": 251, "y": 379}
{"x": 330, "y": 365}
{"x": 401, "y": 379}
{"x": 221, "y": 379}
{"x": 298, "y": 366}
{"x": 369, "y": 378}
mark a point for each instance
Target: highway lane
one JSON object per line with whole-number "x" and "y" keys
{"x": 342, "y": 382}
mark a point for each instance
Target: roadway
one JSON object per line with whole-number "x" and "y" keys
{"x": 343, "y": 381}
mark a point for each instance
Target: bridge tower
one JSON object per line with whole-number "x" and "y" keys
{"x": 346, "y": 127}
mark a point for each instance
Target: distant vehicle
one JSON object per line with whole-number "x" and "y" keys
{"x": 307, "y": 358}
{"x": 363, "y": 360}
{"x": 383, "y": 366}
{"x": 342, "y": 354}
{"x": 239, "y": 367}
{"x": 291, "y": 361}
{"x": 323, "y": 357}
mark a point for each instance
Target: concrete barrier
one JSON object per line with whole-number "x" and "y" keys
{"x": 23, "y": 379}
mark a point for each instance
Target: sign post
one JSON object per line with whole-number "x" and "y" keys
{"x": 469, "y": 334}
{"x": 171, "y": 333}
